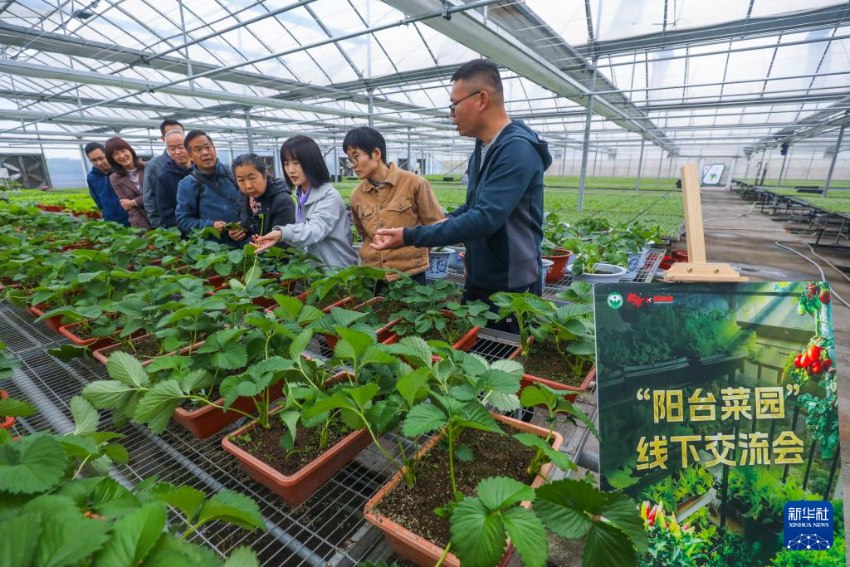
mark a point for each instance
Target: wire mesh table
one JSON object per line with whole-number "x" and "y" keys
{"x": 328, "y": 529}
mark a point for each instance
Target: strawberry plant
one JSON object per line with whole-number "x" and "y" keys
{"x": 62, "y": 507}
{"x": 609, "y": 522}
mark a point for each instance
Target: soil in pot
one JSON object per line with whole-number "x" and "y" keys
{"x": 264, "y": 444}
{"x": 547, "y": 363}
{"x": 494, "y": 455}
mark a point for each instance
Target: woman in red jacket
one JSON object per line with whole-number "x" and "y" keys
{"x": 127, "y": 178}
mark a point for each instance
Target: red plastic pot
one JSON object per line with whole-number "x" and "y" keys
{"x": 8, "y": 421}
{"x": 559, "y": 265}
{"x": 53, "y": 323}
{"x": 207, "y": 421}
{"x": 296, "y": 488}
{"x": 102, "y": 354}
{"x": 93, "y": 343}
{"x": 384, "y": 332}
{"x": 419, "y": 550}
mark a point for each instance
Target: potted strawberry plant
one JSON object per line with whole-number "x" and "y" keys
{"x": 317, "y": 442}
{"x": 445, "y": 468}
{"x": 556, "y": 344}
{"x": 76, "y": 513}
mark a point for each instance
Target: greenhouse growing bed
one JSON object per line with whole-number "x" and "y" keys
{"x": 327, "y": 529}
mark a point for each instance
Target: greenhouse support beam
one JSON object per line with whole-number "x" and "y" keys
{"x": 19, "y": 68}
{"x": 493, "y": 38}
{"x": 248, "y": 131}
{"x": 821, "y": 18}
{"x": 586, "y": 145}
{"x": 782, "y": 167}
{"x": 640, "y": 165}
{"x": 834, "y": 159}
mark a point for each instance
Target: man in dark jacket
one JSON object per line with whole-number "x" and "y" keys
{"x": 208, "y": 197}
{"x": 99, "y": 187}
{"x": 176, "y": 167}
{"x": 152, "y": 170}
{"x": 501, "y": 223}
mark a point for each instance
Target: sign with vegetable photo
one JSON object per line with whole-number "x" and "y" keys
{"x": 718, "y": 413}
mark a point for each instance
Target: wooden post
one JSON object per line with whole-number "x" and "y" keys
{"x": 696, "y": 269}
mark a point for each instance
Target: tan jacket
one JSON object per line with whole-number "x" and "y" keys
{"x": 403, "y": 200}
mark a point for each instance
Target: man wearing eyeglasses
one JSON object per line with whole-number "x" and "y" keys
{"x": 501, "y": 222}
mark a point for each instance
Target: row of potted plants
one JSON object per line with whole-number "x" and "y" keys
{"x": 241, "y": 368}
{"x": 401, "y": 385}
{"x": 62, "y": 507}
{"x": 593, "y": 250}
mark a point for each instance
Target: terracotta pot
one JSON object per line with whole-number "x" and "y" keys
{"x": 8, "y": 421}
{"x": 208, "y": 420}
{"x": 679, "y": 255}
{"x": 53, "y": 323}
{"x": 530, "y": 379}
{"x": 465, "y": 343}
{"x": 93, "y": 343}
{"x": 384, "y": 332}
{"x": 419, "y": 550}
{"x": 295, "y": 489}
{"x": 102, "y": 354}
{"x": 559, "y": 265}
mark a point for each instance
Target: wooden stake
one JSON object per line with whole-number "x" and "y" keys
{"x": 696, "y": 269}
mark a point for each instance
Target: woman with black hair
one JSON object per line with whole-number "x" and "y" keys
{"x": 269, "y": 199}
{"x": 321, "y": 226}
{"x": 127, "y": 179}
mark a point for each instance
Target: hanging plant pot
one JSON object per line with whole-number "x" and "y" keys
{"x": 438, "y": 263}
{"x": 6, "y": 422}
{"x": 419, "y": 550}
{"x": 294, "y": 489}
{"x": 558, "y": 269}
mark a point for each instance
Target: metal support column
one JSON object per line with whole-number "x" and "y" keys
{"x": 371, "y": 92}
{"x": 730, "y": 174}
{"x": 587, "y": 121}
{"x": 248, "y": 129}
{"x": 834, "y": 157}
{"x": 640, "y": 164}
{"x": 782, "y": 167}
{"x": 278, "y": 163}
{"x": 409, "y": 154}
{"x": 85, "y": 161}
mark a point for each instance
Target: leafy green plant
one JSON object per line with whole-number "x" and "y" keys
{"x": 555, "y": 403}
{"x": 482, "y": 524}
{"x": 434, "y": 308}
{"x": 51, "y": 514}
{"x": 524, "y": 306}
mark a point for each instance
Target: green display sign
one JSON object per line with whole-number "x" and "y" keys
{"x": 717, "y": 408}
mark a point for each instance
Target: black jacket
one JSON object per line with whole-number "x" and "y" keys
{"x": 166, "y": 191}
{"x": 276, "y": 209}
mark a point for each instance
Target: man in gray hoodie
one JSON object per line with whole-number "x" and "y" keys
{"x": 501, "y": 223}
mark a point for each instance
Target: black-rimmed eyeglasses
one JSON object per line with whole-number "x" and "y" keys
{"x": 453, "y": 106}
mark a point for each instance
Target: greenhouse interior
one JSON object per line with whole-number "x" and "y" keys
{"x": 424, "y": 282}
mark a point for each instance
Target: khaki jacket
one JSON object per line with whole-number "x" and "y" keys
{"x": 403, "y": 200}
